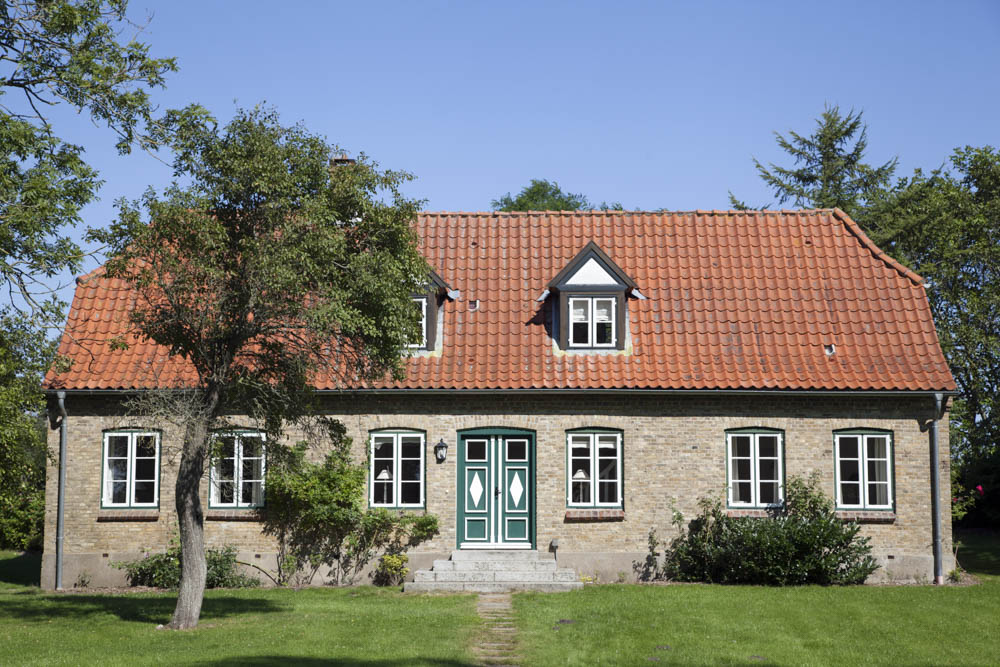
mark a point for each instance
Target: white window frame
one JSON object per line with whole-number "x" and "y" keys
{"x": 755, "y": 460}
{"x": 422, "y": 300}
{"x": 863, "y": 460}
{"x": 590, "y": 440}
{"x": 397, "y": 436}
{"x": 592, "y": 321}
{"x": 238, "y": 437}
{"x": 130, "y": 481}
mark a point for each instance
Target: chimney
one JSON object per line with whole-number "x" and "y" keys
{"x": 341, "y": 159}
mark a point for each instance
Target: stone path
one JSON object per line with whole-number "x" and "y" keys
{"x": 498, "y": 645}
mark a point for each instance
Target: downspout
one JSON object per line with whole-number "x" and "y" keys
{"x": 936, "y": 491}
{"x": 61, "y": 395}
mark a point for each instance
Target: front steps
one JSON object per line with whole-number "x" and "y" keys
{"x": 488, "y": 571}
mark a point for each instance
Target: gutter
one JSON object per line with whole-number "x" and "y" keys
{"x": 61, "y": 503}
{"x": 936, "y": 491}
{"x": 570, "y": 391}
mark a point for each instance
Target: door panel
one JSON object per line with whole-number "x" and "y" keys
{"x": 496, "y": 476}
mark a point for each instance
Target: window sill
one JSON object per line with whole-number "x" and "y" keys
{"x": 249, "y": 514}
{"x": 867, "y": 516}
{"x": 594, "y": 515}
{"x": 109, "y": 515}
{"x": 753, "y": 513}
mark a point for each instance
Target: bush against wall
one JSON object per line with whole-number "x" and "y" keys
{"x": 163, "y": 570}
{"x": 318, "y": 514}
{"x": 803, "y": 543}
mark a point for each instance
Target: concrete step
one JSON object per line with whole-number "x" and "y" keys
{"x": 477, "y": 565}
{"x": 560, "y": 575}
{"x": 489, "y": 587}
{"x": 499, "y": 555}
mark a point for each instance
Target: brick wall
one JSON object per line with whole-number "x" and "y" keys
{"x": 674, "y": 453}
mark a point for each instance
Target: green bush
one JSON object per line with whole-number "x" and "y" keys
{"x": 391, "y": 570}
{"x": 163, "y": 570}
{"x": 803, "y": 544}
{"x": 22, "y": 517}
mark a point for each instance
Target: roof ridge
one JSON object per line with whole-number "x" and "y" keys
{"x": 699, "y": 211}
{"x": 855, "y": 229}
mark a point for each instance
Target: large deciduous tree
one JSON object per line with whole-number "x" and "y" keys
{"x": 270, "y": 269}
{"x": 544, "y": 195}
{"x": 946, "y": 226}
{"x": 52, "y": 53}
{"x": 829, "y": 169}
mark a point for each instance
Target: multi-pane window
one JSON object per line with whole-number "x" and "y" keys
{"x": 756, "y": 475}
{"x": 396, "y": 475}
{"x": 238, "y": 470}
{"x": 420, "y": 303}
{"x": 592, "y": 322}
{"x": 864, "y": 470}
{"x": 595, "y": 469}
{"x": 131, "y": 469}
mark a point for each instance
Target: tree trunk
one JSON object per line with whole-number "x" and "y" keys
{"x": 190, "y": 518}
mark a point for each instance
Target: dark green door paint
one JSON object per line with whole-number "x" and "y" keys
{"x": 496, "y": 489}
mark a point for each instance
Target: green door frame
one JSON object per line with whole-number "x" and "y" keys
{"x": 496, "y": 488}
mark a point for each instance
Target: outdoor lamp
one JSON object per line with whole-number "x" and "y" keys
{"x": 441, "y": 451}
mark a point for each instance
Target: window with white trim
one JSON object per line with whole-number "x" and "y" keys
{"x": 755, "y": 461}
{"x": 396, "y": 473}
{"x": 592, "y": 321}
{"x": 864, "y": 470}
{"x": 594, "y": 469}
{"x": 131, "y": 465}
{"x": 237, "y": 478}
{"x": 420, "y": 302}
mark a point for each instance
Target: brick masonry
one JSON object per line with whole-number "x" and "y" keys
{"x": 673, "y": 454}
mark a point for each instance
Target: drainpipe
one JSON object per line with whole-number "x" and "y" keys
{"x": 61, "y": 395}
{"x": 936, "y": 491}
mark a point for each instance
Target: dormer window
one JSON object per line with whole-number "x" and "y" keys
{"x": 420, "y": 302}
{"x": 591, "y": 293}
{"x": 592, "y": 321}
{"x": 428, "y": 304}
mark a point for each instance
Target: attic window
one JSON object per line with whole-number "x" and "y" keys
{"x": 420, "y": 302}
{"x": 428, "y": 305}
{"x": 590, "y": 309}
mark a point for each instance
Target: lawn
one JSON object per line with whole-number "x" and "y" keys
{"x": 696, "y": 624}
{"x": 359, "y": 626}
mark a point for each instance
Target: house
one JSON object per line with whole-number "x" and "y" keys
{"x": 581, "y": 375}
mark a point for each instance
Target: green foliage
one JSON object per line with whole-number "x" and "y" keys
{"x": 24, "y": 355}
{"x": 829, "y": 171}
{"x": 391, "y": 570}
{"x": 318, "y": 515}
{"x": 163, "y": 570}
{"x": 62, "y": 51}
{"x": 946, "y": 226}
{"x": 544, "y": 195}
{"x": 806, "y": 544}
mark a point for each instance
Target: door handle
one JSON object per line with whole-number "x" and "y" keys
{"x": 496, "y": 490}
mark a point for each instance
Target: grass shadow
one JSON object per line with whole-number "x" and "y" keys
{"x": 24, "y": 569}
{"x": 979, "y": 552}
{"x": 266, "y": 660}
{"x": 129, "y": 608}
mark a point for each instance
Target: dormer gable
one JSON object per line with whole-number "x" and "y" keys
{"x": 589, "y": 311}
{"x": 592, "y": 268}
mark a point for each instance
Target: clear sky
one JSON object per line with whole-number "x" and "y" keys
{"x": 652, "y": 104}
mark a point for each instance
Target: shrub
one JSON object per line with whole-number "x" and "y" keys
{"x": 391, "y": 570}
{"x": 803, "y": 544}
{"x": 163, "y": 570}
{"x": 317, "y": 513}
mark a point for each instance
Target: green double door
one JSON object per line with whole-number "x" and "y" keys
{"x": 496, "y": 489}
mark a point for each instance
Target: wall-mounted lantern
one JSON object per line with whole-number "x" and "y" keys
{"x": 441, "y": 451}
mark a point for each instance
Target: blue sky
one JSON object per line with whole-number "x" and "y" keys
{"x": 652, "y": 104}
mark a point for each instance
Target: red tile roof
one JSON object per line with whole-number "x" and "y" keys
{"x": 735, "y": 300}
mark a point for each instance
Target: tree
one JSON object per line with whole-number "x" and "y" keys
{"x": 271, "y": 269}
{"x": 61, "y": 52}
{"x": 829, "y": 171}
{"x": 54, "y": 52}
{"x": 946, "y": 226}
{"x": 543, "y": 195}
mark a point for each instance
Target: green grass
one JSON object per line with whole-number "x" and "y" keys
{"x": 891, "y": 625}
{"x": 358, "y": 626}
